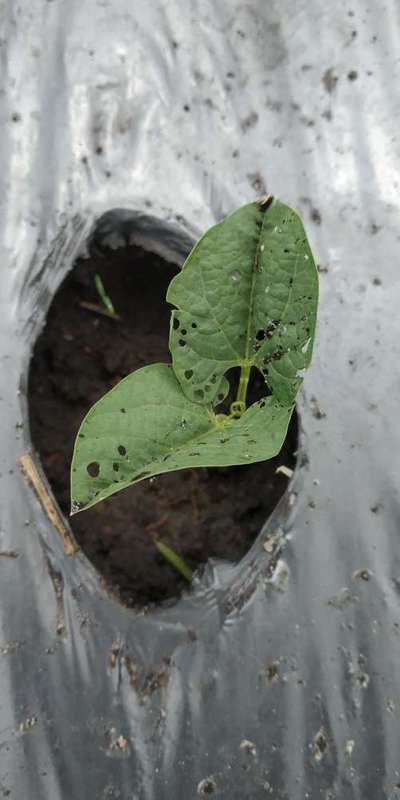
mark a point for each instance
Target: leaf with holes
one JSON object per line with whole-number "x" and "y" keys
{"x": 247, "y": 296}
{"x": 146, "y": 426}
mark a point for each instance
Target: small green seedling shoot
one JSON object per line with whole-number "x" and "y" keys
{"x": 106, "y": 307}
{"x": 246, "y": 297}
{"x": 105, "y": 299}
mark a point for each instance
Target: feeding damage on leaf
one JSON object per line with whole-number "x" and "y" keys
{"x": 245, "y": 298}
{"x": 163, "y": 431}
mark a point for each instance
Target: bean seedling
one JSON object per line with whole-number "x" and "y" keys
{"x": 246, "y": 297}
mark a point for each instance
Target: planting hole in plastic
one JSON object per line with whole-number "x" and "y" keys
{"x": 200, "y": 513}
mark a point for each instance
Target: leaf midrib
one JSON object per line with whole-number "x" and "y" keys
{"x": 252, "y": 297}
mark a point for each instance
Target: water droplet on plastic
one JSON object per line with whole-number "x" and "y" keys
{"x": 236, "y": 276}
{"x": 306, "y": 257}
{"x": 262, "y": 247}
{"x": 183, "y": 423}
{"x": 267, "y": 288}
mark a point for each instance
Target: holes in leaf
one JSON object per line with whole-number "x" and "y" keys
{"x": 221, "y": 396}
{"x": 207, "y": 387}
{"x": 194, "y": 325}
{"x": 260, "y": 336}
{"x": 236, "y": 276}
{"x": 122, "y": 450}
{"x": 267, "y": 332}
{"x": 271, "y": 328}
{"x": 93, "y": 469}
{"x": 115, "y": 466}
{"x": 182, "y": 342}
{"x": 199, "y": 394}
{"x": 213, "y": 379}
{"x": 81, "y": 435}
{"x": 175, "y": 323}
{"x": 183, "y": 332}
{"x": 123, "y": 410}
{"x": 188, "y": 374}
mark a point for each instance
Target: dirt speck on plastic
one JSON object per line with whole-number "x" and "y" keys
{"x": 58, "y": 586}
{"x": 28, "y": 724}
{"x": 329, "y": 80}
{"x": 343, "y": 599}
{"x": 117, "y": 744}
{"x": 248, "y": 748}
{"x": 320, "y": 745}
{"x": 146, "y": 681}
{"x": 207, "y": 786}
{"x": 271, "y": 673}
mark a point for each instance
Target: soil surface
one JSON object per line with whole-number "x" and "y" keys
{"x": 81, "y": 353}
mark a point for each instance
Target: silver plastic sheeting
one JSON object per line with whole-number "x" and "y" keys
{"x": 279, "y": 677}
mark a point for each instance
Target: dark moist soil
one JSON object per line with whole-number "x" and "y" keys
{"x": 201, "y": 513}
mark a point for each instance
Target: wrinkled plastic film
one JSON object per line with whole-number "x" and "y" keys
{"x": 277, "y": 677}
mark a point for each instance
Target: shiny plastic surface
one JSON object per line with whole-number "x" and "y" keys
{"x": 279, "y": 677}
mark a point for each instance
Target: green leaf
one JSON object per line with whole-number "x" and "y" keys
{"x": 247, "y": 296}
{"x": 146, "y": 426}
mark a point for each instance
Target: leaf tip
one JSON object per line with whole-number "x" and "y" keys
{"x": 265, "y": 202}
{"x": 75, "y": 508}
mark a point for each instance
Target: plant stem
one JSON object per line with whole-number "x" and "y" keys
{"x": 243, "y": 384}
{"x": 176, "y": 561}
